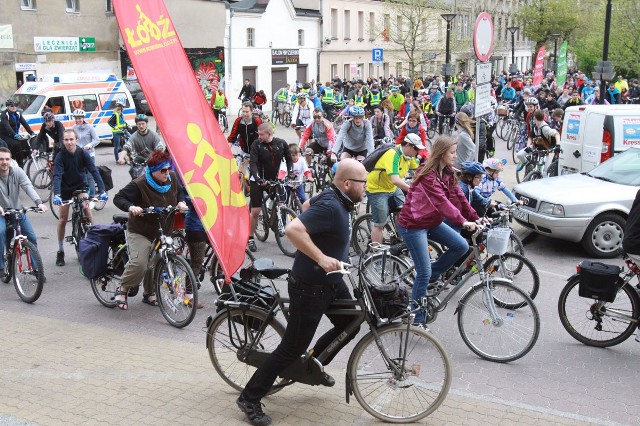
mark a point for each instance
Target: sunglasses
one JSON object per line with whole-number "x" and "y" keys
{"x": 165, "y": 170}
{"x": 358, "y": 180}
{"x": 317, "y": 117}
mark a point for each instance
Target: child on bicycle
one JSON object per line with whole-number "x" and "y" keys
{"x": 491, "y": 183}
{"x": 300, "y": 170}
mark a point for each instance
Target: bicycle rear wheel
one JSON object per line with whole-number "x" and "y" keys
{"x": 216, "y": 270}
{"x": 407, "y": 384}
{"x": 262, "y": 230}
{"x": 517, "y": 269}
{"x": 42, "y": 181}
{"x": 505, "y": 337}
{"x": 32, "y": 166}
{"x": 105, "y": 287}
{"x": 176, "y": 290}
{"x": 382, "y": 268}
{"x": 52, "y": 207}
{"x": 286, "y": 215}
{"x": 28, "y": 272}
{"x": 596, "y": 323}
{"x": 231, "y": 331}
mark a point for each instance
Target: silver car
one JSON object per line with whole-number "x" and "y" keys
{"x": 590, "y": 208}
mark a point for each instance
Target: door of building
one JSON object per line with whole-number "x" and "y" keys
{"x": 302, "y": 74}
{"x": 278, "y": 79}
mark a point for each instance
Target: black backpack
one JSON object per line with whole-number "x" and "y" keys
{"x": 370, "y": 161}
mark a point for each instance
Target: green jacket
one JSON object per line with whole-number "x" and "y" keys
{"x": 462, "y": 97}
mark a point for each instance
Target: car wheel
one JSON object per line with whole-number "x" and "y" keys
{"x": 604, "y": 235}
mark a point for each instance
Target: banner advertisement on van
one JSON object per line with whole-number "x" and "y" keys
{"x": 631, "y": 131}
{"x": 538, "y": 71}
{"x": 561, "y": 72}
{"x": 573, "y": 126}
{"x": 199, "y": 149}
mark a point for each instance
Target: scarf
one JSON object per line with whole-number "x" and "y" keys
{"x": 155, "y": 185}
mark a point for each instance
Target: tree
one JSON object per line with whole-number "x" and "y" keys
{"x": 409, "y": 26}
{"x": 542, "y": 18}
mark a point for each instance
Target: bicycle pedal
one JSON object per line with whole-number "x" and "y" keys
{"x": 69, "y": 239}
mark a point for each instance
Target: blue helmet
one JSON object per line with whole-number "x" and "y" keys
{"x": 472, "y": 168}
{"x": 356, "y": 111}
{"x": 312, "y": 92}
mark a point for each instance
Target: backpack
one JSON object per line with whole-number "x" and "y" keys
{"x": 370, "y": 161}
{"x": 93, "y": 249}
{"x": 105, "y": 174}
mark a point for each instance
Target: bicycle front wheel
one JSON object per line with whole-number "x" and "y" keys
{"x": 492, "y": 330}
{"x": 176, "y": 290}
{"x": 596, "y": 323}
{"x": 402, "y": 379}
{"x": 286, "y": 215}
{"x": 383, "y": 268}
{"x": 517, "y": 269}
{"x": 262, "y": 230}
{"x": 230, "y": 332}
{"x": 28, "y": 273}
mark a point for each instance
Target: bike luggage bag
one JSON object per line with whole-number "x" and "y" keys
{"x": 93, "y": 249}
{"x": 391, "y": 300}
{"x": 261, "y": 296}
{"x": 598, "y": 281}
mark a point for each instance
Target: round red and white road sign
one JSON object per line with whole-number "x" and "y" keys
{"x": 483, "y": 37}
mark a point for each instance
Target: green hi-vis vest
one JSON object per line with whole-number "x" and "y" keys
{"x": 219, "y": 102}
{"x": 120, "y": 124}
{"x": 282, "y": 95}
{"x": 328, "y": 97}
{"x": 359, "y": 101}
{"x": 376, "y": 98}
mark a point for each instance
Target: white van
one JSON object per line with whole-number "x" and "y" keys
{"x": 96, "y": 94}
{"x": 592, "y": 134}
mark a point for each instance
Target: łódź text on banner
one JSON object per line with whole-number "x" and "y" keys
{"x": 198, "y": 147}
{"x": 538, "y": 70}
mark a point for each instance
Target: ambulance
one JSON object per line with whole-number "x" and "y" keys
{"x": 591, "y": 134}
{"x": 96, "y": 94}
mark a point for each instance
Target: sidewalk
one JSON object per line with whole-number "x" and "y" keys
{"x": 59, "y": 372}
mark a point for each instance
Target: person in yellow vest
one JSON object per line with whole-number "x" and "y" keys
{"x": 118, "y": 127}
{"x": 358, "y": 99}
{"x": 374, "y": 98}
{"x": 396, "y": 98}
{"x": 218, "y": 102}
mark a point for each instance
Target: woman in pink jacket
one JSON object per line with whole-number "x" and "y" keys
{"x": 430, "y": 212}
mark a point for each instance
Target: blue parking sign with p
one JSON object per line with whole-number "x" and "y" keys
{"x": 377, "y": 55}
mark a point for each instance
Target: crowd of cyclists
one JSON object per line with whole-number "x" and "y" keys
{"x": 436, "y": 184}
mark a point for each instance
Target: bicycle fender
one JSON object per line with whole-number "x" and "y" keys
{"x": 573, "y": 276}
{"x": 478, "y": 284}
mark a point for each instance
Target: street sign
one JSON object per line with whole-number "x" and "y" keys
{"x": 483, "y": 37}
{"x": 483, "y": 72}
{"x": 377, "y": 56}
{"x": 483, "y": 100}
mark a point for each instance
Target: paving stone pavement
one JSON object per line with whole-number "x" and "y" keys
{"x": 61, "y": 372}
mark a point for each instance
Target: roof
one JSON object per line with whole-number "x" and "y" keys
{"x": 259, "y": 6}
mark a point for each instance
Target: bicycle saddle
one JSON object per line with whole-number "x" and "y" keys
{"x": 120, "y": 218}
{"x": 267, "y": 268}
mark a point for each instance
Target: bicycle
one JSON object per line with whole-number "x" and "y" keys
{"x": 491, "y": 313}
{"x": 447, "y": 128}
{"x": 534, "y": 166}
{"x": 293, "y": 201}
{"x": 80, "y": 222}
{"x": 397, "y": 372}
{"x": 243, "y": 162}
{"x": 39, "y": 168}
{"x": 518, "y": 139}
{"x": 602, "y": 321}
{"x": 22, "y": 261}
{"x": 221, "y": 117}
{"x": 276, "y": 216}
{"x": 175, "y": 284}
{"x": 322, "y": 175}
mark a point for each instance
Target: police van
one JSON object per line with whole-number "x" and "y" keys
{"x": 592, "y": 134}
{"x": 96, "y": 94}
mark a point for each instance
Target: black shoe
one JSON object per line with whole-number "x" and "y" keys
{"x": 252, "y": 245}
{"x": 3, "y": 273}
{"x": 327, "y": 380}
{"x": 254, "y": 412}
{"x": 60, "y": 258}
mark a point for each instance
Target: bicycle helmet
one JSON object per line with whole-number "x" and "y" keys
{"x": 312, "y": 92}
{"x": 119, "y": 104}
{"x": 142, "y": 117}
{"x": 302, "y": 96}
{"x": 494, "y": 164}
{"x": 414, "y": 140}
{"x": 472, "y": 168}
{"x": 357, "y": 111}
{"x": 79, "y": 113}
{"x": 531, "y": 101}
{"x": 11, "y": 102}
{"x": 48, "y": 116}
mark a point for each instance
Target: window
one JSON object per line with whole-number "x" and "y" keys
{"x": 300, "y": 37}
{"x": 86, "y": 102}
{"x": 108, "y": 100}
{"x": 466, "y": 26}
{"x": 360, "y": 26}
{"x": 457, "y": 26}
{"x": 334, "y": 70}
{"x": 360, "y": 71}
{"x": 109, "y": 6}
{"x": 334, "y": 24}
{"x": 372, "y": 26}
{"x": 399, "y": 25}
{"x": 387, "y": 26}
{"x": 56, "y": 104}
{"x": 28, "y": 4}
{"x": 73, "y": 6}
{"x": 251, "y": 37}
{"x": 398, "y": 69}
{"x": 347, "y": 72}
{"x": 441, "y": 29}
{"x": 347, "y": 25}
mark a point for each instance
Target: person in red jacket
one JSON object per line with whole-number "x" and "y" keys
{"x": 430, "y": 212}
{"x": 260, "y": 99}
{"x": 413, "y": 126}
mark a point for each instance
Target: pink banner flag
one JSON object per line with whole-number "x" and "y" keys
{"x": 199, "y": 149}
{"x": 538, "y": 71}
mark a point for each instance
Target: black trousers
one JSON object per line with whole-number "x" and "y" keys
{"x": 308, "y": 303}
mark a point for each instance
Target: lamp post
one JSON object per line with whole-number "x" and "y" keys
{"x": 448, "y": 69}
{"x": 513, "y": 68}
{"x": 555, "y": 52}
{"x": 606, "y": 68}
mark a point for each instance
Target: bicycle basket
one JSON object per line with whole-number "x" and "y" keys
{"x": 598, "y": 281}
{"x": 498, "y": 240}
{"x": 391, "y": 300}
{"x": 261, "y": 296}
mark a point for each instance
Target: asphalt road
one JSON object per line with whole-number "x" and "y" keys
{"x": 559, "y": 376}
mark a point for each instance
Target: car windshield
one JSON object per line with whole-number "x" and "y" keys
{"x": 623, "y": 168}
{"x": 29, "y": 104}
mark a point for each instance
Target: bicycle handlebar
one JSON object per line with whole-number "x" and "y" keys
{"x": 24, "y": 210}
{"x": 344, "y": 269}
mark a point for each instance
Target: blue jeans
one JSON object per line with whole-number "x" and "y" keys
{"x": 116, "y": 142}
{"x": 417, "y": 241}
{"x": 27, "y": 230}
{"x": 302, "y": 196}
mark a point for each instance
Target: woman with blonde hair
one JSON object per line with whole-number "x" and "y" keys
{"x": 466, "y": 147}
{"x": 430, "y": 212}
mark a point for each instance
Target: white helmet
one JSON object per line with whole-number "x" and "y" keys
{"x": 79, "y": 113}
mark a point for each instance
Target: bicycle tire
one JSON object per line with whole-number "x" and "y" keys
{"x": 180, "y": 245}
{"x": 520, "y": 174}
{"x": 381, "y": 268}
{"x": 431, "y": 132}
{"x": 474, "y": 321}
{"x": 42, "y": 183}
{"x": 361, "y": 234}
{"x": 28, "y": 280}
{"x": 509, "y": 135}
{"x": 275, "y": 116}
{"x": 552, "y": 171}
{"x": 517, "y": 269}
{"x": 172, "y": 296}
{"x": 216, "y": 270}
{"x": 286, "y": 246}
{"x": 99, "y": 205}
{"x": 407, "y": 395}
{"x": 81, "y": 229}
{"x": 262, "y": 230}
{"x": 52, "y": 207}
{"x": 105, "y": 287}
{"x": 32, "y": 167}
{"x": 532, "y": 175}
{"x": 229, "y": 331}
{"x": 580, "y": 316}
{"x": 287, "y": 119}
{"x": 8, "y": 266}
{"x": 501, "y": 127}
{"x": 295, "y": 204}
{"x": 518, "y": 145}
